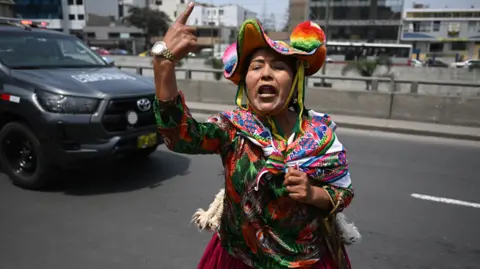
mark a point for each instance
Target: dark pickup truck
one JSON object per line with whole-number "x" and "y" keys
{"x": 62, "y": 104}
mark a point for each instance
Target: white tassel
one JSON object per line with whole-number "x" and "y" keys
{"x": 350, "y": 234}
{"x": 210, "y": 220}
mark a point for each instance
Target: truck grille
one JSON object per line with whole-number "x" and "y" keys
{"x": 115, "y": 117}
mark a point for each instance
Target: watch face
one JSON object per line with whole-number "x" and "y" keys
{"x": 158, "y": 48}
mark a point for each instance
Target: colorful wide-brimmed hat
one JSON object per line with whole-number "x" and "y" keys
{"x": 307, "y": 43}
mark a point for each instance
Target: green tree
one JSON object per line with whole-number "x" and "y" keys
{"x": 152, "y": 22}
{"x": 215, "y": 63}
{"x": 367, "y": 68}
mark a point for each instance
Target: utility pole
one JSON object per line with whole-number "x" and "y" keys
{"x": 147, "y": 30}
{"x": 212, "y": 24}
{"x": 327, "y": 35}
{"x": 65, "y": 20}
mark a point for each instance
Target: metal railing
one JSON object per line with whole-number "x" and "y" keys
{"x": 374, "y": 81}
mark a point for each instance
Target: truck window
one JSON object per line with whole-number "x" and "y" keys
{"x": 37, "y": 50}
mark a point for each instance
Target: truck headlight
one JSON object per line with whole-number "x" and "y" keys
{"x": 57, "y": 103}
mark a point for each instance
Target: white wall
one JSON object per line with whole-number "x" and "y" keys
{"x": 227, "y": 15}
{"x": 77, "y": 23}
{"x": 171, "y": 7}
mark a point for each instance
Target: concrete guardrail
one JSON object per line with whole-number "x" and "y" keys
{"x": 411, "y": 106}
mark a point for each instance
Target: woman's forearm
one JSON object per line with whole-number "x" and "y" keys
{"x": 165, "y": 79}
{"x": 321, "y": 199}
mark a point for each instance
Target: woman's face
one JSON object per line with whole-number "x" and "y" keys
{"x": 269, "y": 80}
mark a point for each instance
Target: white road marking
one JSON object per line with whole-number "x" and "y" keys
{"x": 444, "y": 200}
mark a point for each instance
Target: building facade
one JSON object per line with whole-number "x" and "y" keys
{"x": 61, "y": 15}
{"x": 225, "y": 15}
{"x": 443, "y": 32}
{"x": 372, "y": 21}
{"x": 299, "y": 11}
{"x": 6, "y": 9}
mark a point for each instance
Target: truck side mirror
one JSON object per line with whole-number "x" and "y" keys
{"x": 109, "y": 61}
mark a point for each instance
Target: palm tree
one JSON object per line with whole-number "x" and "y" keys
{"x": 367, "y": 68}
{"x": 152, "y": 22}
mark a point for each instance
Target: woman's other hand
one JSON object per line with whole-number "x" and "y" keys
{"x": 181, "y": 39}
{"x": 298, "y": 187}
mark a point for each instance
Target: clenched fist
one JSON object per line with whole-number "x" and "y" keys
{"x": 181, "y": 39}
{"x": 298, "y": 186}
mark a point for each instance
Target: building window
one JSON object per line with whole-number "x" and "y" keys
{"x": 80, "y": 2}
{"x": 71, "y": 17}
{"x": 220, "y": 12}
{"x": 436, "y": 47}
{"x": 422, "y": 26}
{"x": 436, "y": 26}
{"x": 471, "y": 26}
{"x": 70, "y": 2}
{"x": 174, "y": 14}
{"x": 121, "y": 14}
{"x": 81, "y": 17}
{"x": 158, "y": 2}
{"x": 459, "y": 46}
{"x": 182, "y": 1}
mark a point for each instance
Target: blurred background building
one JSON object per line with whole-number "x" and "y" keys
{"x": 442, "y": 32}
{"x": 6, "y": 8}
{"x": 358, "y": 20}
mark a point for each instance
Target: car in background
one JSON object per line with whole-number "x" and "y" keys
{"x": 61, "y": 104}
{"x": 417, "y": 63}
{"x": 463, "y": 64}
{"x": 100, "y": 51}
{"x": 118, "y": 52}
{"x": 436, "y": 63}
{"x": 473, "y": 65}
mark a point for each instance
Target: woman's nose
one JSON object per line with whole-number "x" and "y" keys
{"x": 267, "y": 73}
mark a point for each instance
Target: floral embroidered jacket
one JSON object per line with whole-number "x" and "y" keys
{"x": 260, "y": 224}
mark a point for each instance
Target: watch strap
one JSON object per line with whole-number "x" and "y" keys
{"x": 168, "y": 55}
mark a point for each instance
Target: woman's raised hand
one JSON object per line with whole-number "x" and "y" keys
{"x": 181, "y": 39}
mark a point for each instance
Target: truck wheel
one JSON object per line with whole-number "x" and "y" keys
{"x": 21, "y": 156}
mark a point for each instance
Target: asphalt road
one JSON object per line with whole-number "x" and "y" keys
{"x": 137, "y": 216}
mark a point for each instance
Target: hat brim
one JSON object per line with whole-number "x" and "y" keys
{"x": 252, "y": 36}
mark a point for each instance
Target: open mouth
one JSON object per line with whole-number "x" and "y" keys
{"x": 267, "y": 91}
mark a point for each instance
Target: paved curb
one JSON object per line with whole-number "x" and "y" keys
{"x": 390, "y": 129}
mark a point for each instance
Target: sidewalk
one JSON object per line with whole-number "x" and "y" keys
{"x": 386, "y": 125}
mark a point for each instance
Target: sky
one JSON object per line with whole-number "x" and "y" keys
{"x": 279, "y": 7}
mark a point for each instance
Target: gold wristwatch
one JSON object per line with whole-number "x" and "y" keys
{"x": 160, "y": 50}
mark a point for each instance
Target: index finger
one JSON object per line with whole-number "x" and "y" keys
{"x": 182, "y": 19}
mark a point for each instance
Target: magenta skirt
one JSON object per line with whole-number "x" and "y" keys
{"x": 216, "y": 257}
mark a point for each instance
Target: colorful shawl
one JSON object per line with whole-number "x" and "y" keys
{"x": 315, "y": 150}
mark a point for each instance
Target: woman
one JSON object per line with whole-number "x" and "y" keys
{"x": 286, "y": 173}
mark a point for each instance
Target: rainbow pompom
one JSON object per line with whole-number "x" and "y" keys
{"x": 230, "y": 58}
{"x": 307, "y": 36}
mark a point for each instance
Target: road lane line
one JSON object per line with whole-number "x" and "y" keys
{"x": 444, "y": 200}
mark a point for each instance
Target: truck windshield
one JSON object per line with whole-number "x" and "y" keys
{"x": 24, "y": 50}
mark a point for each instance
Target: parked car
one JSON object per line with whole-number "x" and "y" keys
{"x": 63, "y": 104}
{"x": 436, "y": 63}
{"x": 473, "y": 65}
{"x": 417, "y": 63}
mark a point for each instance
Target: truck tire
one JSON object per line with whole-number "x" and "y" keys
{"x": 21, "y": 156}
